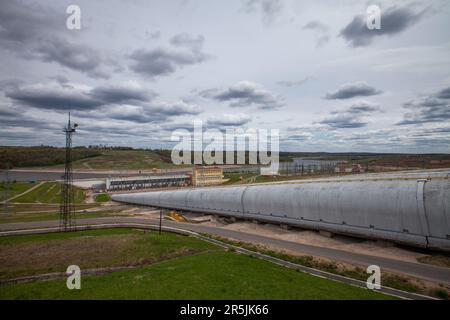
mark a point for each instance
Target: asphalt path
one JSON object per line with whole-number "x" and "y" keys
{"x": 418, "y": 270}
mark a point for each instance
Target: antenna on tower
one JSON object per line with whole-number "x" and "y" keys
{"x": 66, "y": 209}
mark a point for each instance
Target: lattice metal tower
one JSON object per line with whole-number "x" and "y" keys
{"x": 66, "y": 209}
{"x": 7, "y": 187}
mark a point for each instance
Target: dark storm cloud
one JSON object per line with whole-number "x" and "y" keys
{"x": 37, "y": 32}
{"x": 428, "y": 109}
{"x": 245, "y": 94}
{"x": 351, "y": 117}
{"x": 160, "y": 62}
{"x": 351, "y": 90}
{"x": 393, "y": 20}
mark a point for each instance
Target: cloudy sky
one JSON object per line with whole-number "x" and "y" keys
{"x": 137, "y": 70}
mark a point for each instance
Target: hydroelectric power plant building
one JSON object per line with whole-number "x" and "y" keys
{"x": 145, "y": 182}
{"x": 403, "y": 209}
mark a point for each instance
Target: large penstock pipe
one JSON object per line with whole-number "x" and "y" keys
{"x": 409, "y": 211}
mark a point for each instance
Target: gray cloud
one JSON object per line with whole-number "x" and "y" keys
{"x": 294, "y": 134}
{"x": 9, "y": 84}
{"x": 67, "y": 96}
{"x": 244, "y": 94}
{"x": 226, "y": 120}
{"x": 22, "y": 22}
{"x": 351, "y": 117}
{"x": 119, "y": 102}
{"x": 288, "y": 83}
{"x": 188, "y": 41}
{"x": 444, "y": 93}
{"x": 270, "y": 9}
{"x": 53, "y": 97}
{"x": 160, "y": 62}
{"x": 13, "y": 117}
{"x": 351, "y": 90}
{"x": 428, "y": 109}
{"x": 321, "y": 30}
{"x": 152, "y": 35}
{"x": 36, "y": 32}
{"x": 393, "y": 20}
{"x": 73, "y": 56}
{"x": 344, "y": 122}
{"x": 151, "y": 113}
{"x": 121, "y": 94}
{"x": 359, "y": 108}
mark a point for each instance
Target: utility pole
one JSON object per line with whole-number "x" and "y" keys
{"x": 66, "y": 208}
{"x": 160, "y": 220}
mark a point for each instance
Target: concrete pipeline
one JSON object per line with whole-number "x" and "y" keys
{"x": 415, "y": 212}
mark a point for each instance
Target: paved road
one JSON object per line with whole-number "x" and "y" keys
{"x": 422, "y": 271}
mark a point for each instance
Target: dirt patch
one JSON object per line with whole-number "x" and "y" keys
{"x": 30, "y": 258}
{"x": 437, "y": 260}
{"x": 309, "y": 237}
{"x": 51, "y": 255}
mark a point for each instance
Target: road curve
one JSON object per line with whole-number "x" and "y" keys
{"x": 421, "y": 271}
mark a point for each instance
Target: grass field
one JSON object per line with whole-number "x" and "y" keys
{"x": 42, "y": 203}
{"x": 238, "y": 178}
{"x": 104, "y": 197}
{"x": 248, "y": 178}
{"x": 45, "y": 216}
{"x": 36, "y": 254}
{"x": 125, "y": 160}
{"x": 167, "y": 267}
{"x": 48, "y": 192}
{"x": 13, "y": 189}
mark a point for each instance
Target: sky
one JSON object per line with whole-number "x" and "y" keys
{"x": 137, "y": 70}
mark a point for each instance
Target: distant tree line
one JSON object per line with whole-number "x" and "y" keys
{"x": 18, "y": 157}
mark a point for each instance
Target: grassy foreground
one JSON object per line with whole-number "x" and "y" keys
{"x": 166, "y": 267}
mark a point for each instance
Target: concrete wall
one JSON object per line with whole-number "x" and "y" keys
{"x": 414, "y": 212}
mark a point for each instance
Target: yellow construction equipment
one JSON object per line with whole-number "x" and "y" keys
{"x": 175, "y": 216}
